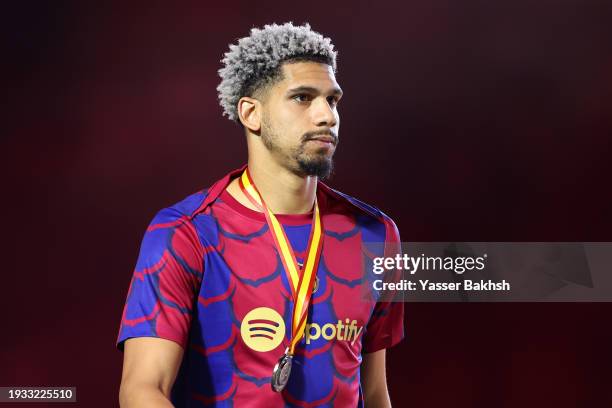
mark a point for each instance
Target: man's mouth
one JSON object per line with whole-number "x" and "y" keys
{"x": 324, "y": 139}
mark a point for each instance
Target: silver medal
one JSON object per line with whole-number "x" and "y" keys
{"x": 282, "y": 370}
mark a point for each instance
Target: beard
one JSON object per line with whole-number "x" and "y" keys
{"x": 316, "y": 163}
{"x": 319, "y": 165}
{"x": 322, "y": 168}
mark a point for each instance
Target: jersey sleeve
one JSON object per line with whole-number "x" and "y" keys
{"x": 386, "y": 326}
{"x": 165, "y": 281}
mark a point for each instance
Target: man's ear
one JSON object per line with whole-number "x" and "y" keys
{"x": 249, "y": 112}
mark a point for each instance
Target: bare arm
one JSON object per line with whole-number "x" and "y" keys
{"x": 150, "y": 366}
{"x": 374, "y": 380}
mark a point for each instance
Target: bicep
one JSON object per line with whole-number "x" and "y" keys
{"x": 151, "y": 362}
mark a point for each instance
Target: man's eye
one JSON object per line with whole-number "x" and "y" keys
{"x": 332, "y": 100}
{"x": 301, "y": 98}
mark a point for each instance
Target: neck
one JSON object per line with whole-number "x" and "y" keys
{"x": 283, "y": 191}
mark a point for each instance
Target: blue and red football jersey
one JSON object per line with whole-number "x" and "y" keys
{"x": 209, "y": 278}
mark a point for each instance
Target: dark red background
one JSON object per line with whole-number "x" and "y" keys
{"x": 463, "y": 120}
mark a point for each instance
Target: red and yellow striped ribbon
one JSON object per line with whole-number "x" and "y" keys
{"x": 301, "y": 279}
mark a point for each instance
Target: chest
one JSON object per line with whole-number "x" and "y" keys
{"x": 245, "y": 273}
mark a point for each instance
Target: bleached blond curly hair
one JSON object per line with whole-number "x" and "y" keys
{"x": 255, "y": 62}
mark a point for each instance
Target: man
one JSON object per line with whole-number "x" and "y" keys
{"x": 250, "y": 293}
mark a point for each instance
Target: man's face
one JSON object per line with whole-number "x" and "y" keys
{"x": 300, "y": 120}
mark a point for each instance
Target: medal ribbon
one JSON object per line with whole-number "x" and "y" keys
{"x": 301, "y": 279}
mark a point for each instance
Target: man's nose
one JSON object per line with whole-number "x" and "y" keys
{"x": 323, "y": 113}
